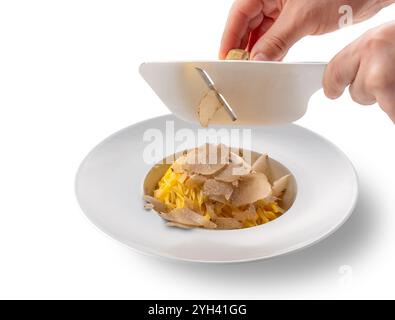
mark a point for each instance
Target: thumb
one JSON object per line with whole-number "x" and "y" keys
{"x": 276, "y": 42}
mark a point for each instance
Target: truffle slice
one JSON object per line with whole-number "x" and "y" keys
{"x": 195, "y": 180}
{"x": 228, "y": 224}
{"x": 280, "y": 185}
{"x": 154, "y": 204}
{"x": 208, "y": 107}
{"x": 251, "y": 188}
{"x": 217, "y": 188}
{"x": 236, "y": 168}
{"x": 219, "y": 199}
{"x": 249, "y": 214}
{"x": 262, "y": 164}
{"x": 149, "y": 206}
{"x": 210, "y": 207}
{"x": 192, "y": 206}
{"x": 188, "y": 217}
{"x": 178, "y": 165}
{"x": 207, "y": 159}
{"x": 178, "y": 225}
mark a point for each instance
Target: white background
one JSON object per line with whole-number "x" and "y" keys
{"x": 68, "y": 79}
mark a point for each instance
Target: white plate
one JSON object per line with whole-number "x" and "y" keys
{"x": 109, "y": 190}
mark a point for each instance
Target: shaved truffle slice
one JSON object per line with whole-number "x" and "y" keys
{"x": 155, "y": 204}
{"x": 195, "y": 180}
{"x": 219, "y": 199}
{"x": 249, "y": 214}
{"x": 191, "y": 205}
{"x": 236, "y": 168}
{"x": 280, "y": 185}
{"x": 178, "y": 225}
{"x": 262, "y": 164}
{"x": 217, "y": 188}
{"x": 228, "y": 224}
{"x": 207, "y": 159}
{"x": 251, "y": 188}
{"x": 183, "y": 178}
{"x": 188, "y": 217}
{"x": 178, "y": 165}
{"x": 210, "y": 207}
{"x": 148, "y": 206}
{"x": 208, "y": 107}
{"x": 238, "y": 54}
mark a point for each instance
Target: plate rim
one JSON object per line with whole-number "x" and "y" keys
{"x": 158, "y": 254}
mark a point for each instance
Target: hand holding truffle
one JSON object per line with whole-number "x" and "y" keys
{"x": 269, "y": 28}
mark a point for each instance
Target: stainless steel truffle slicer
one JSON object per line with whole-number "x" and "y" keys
{"x": 209, "y": 82}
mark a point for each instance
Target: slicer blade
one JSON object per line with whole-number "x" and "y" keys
{"x": 210, "y": 84}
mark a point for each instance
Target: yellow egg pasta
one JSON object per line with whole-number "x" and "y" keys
{"x": 212, "y": 187}
{"x": 175, "y": 194}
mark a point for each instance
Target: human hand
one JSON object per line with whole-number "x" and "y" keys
{"x": 268, "y": 28}
{"x": 368, "y": 66}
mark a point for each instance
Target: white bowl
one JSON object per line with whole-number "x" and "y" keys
{"x": 260, "y": 93}
{"x": 109, "y": 188}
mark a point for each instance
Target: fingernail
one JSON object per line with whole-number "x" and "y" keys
{"x": 260, "y": 57}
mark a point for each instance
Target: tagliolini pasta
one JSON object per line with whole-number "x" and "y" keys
{"x": 175, "y": 194}
{"x": 228, "y": 193}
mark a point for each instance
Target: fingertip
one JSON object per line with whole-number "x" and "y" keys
{"x": 222, "y": 50}
{"x": 260, "y": 57}
{"x": 332, "y": 96}
{"x": 331, "y": 89}
{"x": 329, "y": 92}
{"x": 268, "y": 49}
{"x": 332, "y": 93}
